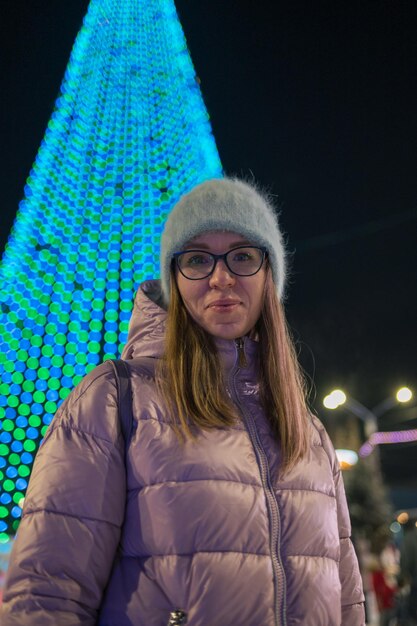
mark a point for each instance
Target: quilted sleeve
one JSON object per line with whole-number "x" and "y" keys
{"x": 353, "y": 613}
{"x": 73, "y": 513}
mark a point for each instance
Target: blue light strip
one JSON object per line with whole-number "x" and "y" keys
{"x": 128, "y": 136}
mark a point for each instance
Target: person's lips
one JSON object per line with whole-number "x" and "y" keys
{"x": 223, "y": 305}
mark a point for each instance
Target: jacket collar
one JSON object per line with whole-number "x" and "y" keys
{"x": 147, "y": 324}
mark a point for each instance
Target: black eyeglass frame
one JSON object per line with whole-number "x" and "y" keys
{"x": 218, "y": 257}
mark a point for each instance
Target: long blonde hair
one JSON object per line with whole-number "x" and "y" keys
{"x": 191, "y": 381}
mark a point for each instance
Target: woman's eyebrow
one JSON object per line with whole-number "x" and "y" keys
{"x": 203, "y": 246}
{"x": 195, "y": 246}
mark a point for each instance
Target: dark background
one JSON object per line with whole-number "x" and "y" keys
{"x": 318, "y": 101}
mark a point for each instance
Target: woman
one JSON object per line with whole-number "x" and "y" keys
{"x": 229, "y": 507}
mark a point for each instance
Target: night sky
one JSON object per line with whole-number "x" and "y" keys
{"x": 316, "y": 100}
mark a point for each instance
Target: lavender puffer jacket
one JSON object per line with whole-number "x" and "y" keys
{"x": 206, "y": 527}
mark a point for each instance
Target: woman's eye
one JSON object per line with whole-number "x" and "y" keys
{"x": 242, "y": 257}
{"x": 197, "y": 259}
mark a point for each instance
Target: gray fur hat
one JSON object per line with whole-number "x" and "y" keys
{"x": 224, "y": 204}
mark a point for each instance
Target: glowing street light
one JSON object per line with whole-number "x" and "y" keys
{"x": 404, "y": 394}
{"x": 335, "y": 399}
{"x": 370, "y": 417}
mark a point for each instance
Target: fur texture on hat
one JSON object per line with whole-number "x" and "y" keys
{"x": 224, "y": 204}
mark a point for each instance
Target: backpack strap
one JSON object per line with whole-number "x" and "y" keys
{"x": 124, "y": 391}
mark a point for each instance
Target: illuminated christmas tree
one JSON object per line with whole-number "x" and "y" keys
{"x": 128, "y": 136}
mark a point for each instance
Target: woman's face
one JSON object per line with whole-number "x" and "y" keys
{"x": 227, "y": 306}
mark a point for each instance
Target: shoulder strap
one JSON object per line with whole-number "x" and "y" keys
{"x": 124, "y": 389}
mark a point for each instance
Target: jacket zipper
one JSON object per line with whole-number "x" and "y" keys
{"x": 272, "y": 504}
{"x": 241, "y": 356}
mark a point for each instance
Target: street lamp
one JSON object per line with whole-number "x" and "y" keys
{"x": 369, "y": 416}
{"x": 404, "y": 394}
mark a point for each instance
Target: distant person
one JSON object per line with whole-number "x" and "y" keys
{"x": 385, "y": 589}
{"x": 228, "y": 507}
{"x": 408, "y": 565}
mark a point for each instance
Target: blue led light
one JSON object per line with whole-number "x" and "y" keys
{"x": 11, "y": 472}
{"x": 122, "y": 145}
{"x": 16, "y": 511}
{"x": 32, "y": 433}
{"x": 21, "y": 484}
{"x": 26, "y": 458}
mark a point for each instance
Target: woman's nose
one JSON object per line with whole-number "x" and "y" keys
{"x": 222, "y": 276}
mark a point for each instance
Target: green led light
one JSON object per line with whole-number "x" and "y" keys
{"x": 33, "y": 363}
{"x": 17, "y": 378}
{"x": 60, "y": 339}
{"x": 3, "y": 512}
{"x": 72, "y": 348}
{"x": 39, "y": 397}
{"x": 43, "y": 373}
{"x": 64, "y": 393}
{"x": 4, "y": 450}
{"x": 23, "y": 471}
{"x": 4, "y": 389}
{"x": 47, "y": 351}
{"x": 93, "y": 347}
{"x": 29, "y": 445}
{"x": 51, "y": 407}
{"x": 17, "y": 497}
{"x": 8, "y": 425}
{"x": 36, "y": 421}
{"x": 8, "y": 366}
{"x": 22, "y": 355}
{"x": 14, "y": 459}
{"x": 13, "y": 401}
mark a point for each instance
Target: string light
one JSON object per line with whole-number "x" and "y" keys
{"x": 381, "y": 438}
{"x": 128, "y": 136}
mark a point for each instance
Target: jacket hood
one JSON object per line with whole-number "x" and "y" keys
{"x": 147, "y": 324}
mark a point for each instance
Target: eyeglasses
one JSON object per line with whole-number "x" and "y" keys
{"x": 199, "y": 264}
